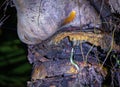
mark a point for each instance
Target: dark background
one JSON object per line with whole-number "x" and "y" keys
{"x": 15, "y": 69}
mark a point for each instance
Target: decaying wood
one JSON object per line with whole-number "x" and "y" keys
{"x": 55, "y": 70}
{"x": 50, "y": 69}
{"x": 60, "y": 68}
{"x": 40, "y": 22}
{"x": 98, "y": 38}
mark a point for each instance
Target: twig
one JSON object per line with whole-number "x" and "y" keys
{"x": 89, "y": 52}
{"x": 111, "y": 47}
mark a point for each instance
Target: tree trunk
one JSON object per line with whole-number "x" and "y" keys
{"x": 83, "y": 48}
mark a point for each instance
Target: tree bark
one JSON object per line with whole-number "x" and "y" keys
{"x": 115, "y": 6}
{"x": 80, "y": 54}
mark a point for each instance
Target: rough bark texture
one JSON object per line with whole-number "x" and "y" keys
{"x": 55, "y": 69}
{"x": 115, "y": 5}
{"x": 53, "y": 66}
{"x": 82, "y": 54}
